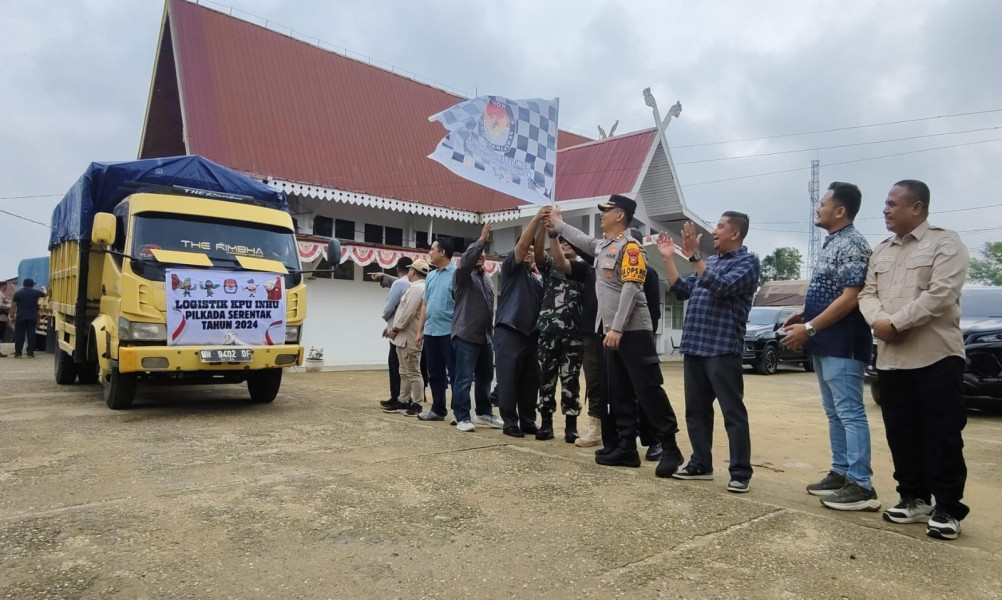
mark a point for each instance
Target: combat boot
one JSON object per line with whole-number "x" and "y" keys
{"x": 619, "y": 457}
{"x": 592, "y": 436}
{"x": 570, "y": 428}
{"x": 545, "y": 428}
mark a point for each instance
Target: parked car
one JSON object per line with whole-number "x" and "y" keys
{"x": 763, "y": 349}
{"x": 981, "y": 324}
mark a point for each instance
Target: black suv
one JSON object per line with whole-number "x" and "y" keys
{"x": 981, "y": 324}
{"x": 763, "y": 349}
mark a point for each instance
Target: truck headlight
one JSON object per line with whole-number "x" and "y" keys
{"x": 292, "y": 334}
{"x": 139, "y": 331}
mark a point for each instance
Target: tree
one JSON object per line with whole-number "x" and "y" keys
{"x": 987, "y": 270}
{"x": 781, "y": 265}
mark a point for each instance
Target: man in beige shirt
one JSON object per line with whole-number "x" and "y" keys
{"x": 912, "y": 300}
{"x": 406, "y": 332}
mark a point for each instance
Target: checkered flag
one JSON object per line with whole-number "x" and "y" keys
{"x": 506, "y": 145}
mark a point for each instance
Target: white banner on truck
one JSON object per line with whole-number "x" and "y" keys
{"x": 208, "y": 308}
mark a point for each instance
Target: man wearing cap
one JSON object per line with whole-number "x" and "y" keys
{"x": 398, "y": 285}
{"x": 472, "y": 336}
{"x": 720, "y": 292}
{"x": 406, "y": 333}
{"x": 25, "y": 317}
{"x": 634, "y": 370}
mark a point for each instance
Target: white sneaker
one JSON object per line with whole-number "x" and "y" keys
{"x": 492, "y": 421}
{"x": 466, "y": 426}
{"x": 592, "y": 436}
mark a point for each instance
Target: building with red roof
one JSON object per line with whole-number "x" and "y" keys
{"x": 348, "y": 142}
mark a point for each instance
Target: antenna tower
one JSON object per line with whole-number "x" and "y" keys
{"x": 814, "y": 242}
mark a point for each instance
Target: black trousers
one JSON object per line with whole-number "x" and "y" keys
{"x": 591, "y": 346}
{"x": 394, "y": 366}
{"x": 24, "y": 335}
{"x": 634, "y": 383}
{"x": 720, "y": 378}
{"x": 924, "y": 416}
{"x": 517, "y": 367}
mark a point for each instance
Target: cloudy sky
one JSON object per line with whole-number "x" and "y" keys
{"x": 75, "y": 78}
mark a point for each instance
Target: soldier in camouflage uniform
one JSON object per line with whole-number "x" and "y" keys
{"x": 560, "y": 346}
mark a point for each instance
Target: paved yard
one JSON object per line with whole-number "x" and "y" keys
{"x": 196, "y": 493}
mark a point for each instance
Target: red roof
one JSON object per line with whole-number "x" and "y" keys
{"x": 267, "y": 104}
{"x": 602, "y": 168}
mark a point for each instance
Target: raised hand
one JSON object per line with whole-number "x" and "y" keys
{"x": 690, "y": 239}
{"x": 666, "y": 246}
{"x": 486, "y": 231}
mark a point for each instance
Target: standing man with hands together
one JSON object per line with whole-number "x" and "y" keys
{"x": 720, "y": 294}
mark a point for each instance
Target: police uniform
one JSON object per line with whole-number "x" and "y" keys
{"x": 633, "y": 371}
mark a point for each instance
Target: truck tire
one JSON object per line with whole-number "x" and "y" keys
{"x": 809, "y": 365}
{"x": 89, "y": 372}
{"x": 120, "y": 389}
{"x": 66, "y": 370}
{"x": 768, "y": 360}
{"x": 875, "y": 392}
{"x": 263, "y": 385}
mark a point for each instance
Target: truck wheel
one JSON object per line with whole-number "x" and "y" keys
{"x": 809, "y": 365}
{"x": 768, "y": 361}
{"x": 875, "y": 392}
{"x": 263, "y": 385}
{"x": 66, "y": 370}
{"x": 120, "y": 389}
{"x": 88, "y": 372}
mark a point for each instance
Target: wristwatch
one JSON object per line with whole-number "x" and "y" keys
{"x": 552, "y": 234}
{"x": 696, "y": 256}
{"x": 811, "y": 331}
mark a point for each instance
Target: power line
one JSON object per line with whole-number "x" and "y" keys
{"x": 26, "y": 197}
{"x": 914, "y": 137}
{"x": 7, "y": 212}
{"x": 844, "y": 162}
{"x": 769, "y": 137}
{"x": 938, "y": 212}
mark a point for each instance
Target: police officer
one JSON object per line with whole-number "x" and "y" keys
{"x": 632, "y": 363}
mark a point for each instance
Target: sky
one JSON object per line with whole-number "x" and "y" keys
{"x": 76, "y": 76}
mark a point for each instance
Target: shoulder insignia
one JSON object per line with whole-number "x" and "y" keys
{"x": 634, "y": 267}
{"x": 947, "y": 247}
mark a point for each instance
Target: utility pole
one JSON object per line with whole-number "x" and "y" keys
{"x": 814, "y": 240}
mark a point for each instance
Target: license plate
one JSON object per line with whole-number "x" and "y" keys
{"x": 228, "y": 355}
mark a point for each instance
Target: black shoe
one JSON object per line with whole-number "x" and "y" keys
{"x": 670, "y": 461}
{"x": 31, "y": 355}
{"x": 545, "y": 428}
{"x": 604, "y": 450}
{"x": 619, "y": 457}
{"x": 388, "y": 403}
{"x": 571, "y": 429}
{"x": 530, "y": 429}
{"x": 653, "y": 452}
{"x": 17, "y": 355}
{"x": 395, "y": 407}
{"x": 514, "y": 432}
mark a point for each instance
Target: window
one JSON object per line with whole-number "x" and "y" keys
{"x": 394, "y": 236}
{"x": 677, "y": 309}
{"x": 345, "y": 270}
{"x": 421, "y": 240}
{"x": 344, "y": 230}
{"x": 323, "y": 226}
{"x": 373, "y": 234}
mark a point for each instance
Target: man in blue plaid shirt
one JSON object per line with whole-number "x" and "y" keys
{"x": 720, "y": 292}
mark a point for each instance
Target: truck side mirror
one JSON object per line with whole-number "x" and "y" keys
{"x": 333, "y": 253}
{"x": 104, "y": 229}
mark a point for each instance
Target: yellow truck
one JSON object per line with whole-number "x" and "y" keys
{"x": 174, "y": 270}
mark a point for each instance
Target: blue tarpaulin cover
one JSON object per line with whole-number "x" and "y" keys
{"x": 34, "y": 268}
{"x": 102, "y": 187}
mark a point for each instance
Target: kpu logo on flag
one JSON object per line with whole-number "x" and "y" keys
{"x": 506, "y": 145}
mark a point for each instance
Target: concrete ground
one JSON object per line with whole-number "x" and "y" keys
{"x": 196, "y": 493}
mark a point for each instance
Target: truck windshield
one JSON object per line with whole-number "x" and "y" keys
{"x": 221, "y": 240}
{"x": 762, "y": 316}
{"x": 981, "y": 304}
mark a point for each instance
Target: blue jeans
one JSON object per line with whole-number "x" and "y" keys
{"x": 474, "y": 368}
{"x": 841, "y": 383}
{"x": 441, "y": 369}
